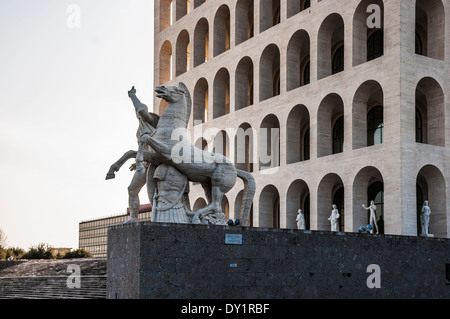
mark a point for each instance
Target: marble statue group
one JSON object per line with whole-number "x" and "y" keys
{"x": 166, "y": 161}
{"x": 425, "y": 213}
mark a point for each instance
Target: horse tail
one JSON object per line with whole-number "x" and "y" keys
{"x": 248, "y": 195}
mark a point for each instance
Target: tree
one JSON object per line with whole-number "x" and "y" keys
{"x": 2, "y": 253}
{"x": 41, "y": 251}
{"x": 3, "y": 238}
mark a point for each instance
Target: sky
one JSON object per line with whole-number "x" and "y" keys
{"x": 65, "y": 116}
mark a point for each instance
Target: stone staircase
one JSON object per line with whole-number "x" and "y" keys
{"x": 52, "y": 279}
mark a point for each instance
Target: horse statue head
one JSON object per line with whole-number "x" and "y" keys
{"x": 171, "y": 94}
{"x": 179, "y": 100}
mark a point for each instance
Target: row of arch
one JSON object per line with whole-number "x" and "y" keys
{"x": 270, "y": 12}
{"x": 368, "y": 43}
{"x": 368, "y": 185}
{"x": 262, "y": 145}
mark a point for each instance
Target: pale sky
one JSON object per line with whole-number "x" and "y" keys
{"x": 65, "y": 116}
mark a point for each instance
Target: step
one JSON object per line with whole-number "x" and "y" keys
{"x": 52, "y": 287}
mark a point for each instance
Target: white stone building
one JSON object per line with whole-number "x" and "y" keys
{"x": 354, "y": 94}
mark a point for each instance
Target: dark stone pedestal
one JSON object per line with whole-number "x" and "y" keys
{"x": 149, "y": 260}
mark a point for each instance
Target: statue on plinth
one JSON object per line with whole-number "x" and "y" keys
{"x": 334, "y": 218}
{"x": 300, "y": 220}
{"x": 425, "y": 219}
{"x": 373, "y": 215}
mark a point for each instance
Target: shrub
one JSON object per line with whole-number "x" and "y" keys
{"x": 15, "y": 252}
{"x": 78, "y": 253}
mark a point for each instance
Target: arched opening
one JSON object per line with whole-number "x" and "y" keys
{"x": 330, "y": 58}
{"x": 368, "y": 31}
{"x": 297, "y": 135}
{"x": 201, "y": 42}
{"x": 269, "y": 207}
{"x": 182, "y": 53}
{"x": 306, "y": 145}
{"x": 222, "y": 30}
{"x": 368, "y": 186}
{"x": 420, "y": 200}
{"x": 269, "y": 73}
{"x": 276, "y": 83}
{"x": 430, "y": 112}
{"x": 244, "y": 83}
{"x": 375, "y": 193}
{"x": 221, "y": 144}
{"x": 368, "y": 115}
{"x": 338, "y": 60}
{"x": 221, "y": 98}
{"x": 418, "y": 44}
{"x": 269, "y": 142}
{"x": 244, "y": 147}
{"x": 244, "y": 20}
{"x": 198, "y": 3}
{"x": 269, "y": 11}
{"x": 338, "y": 135}
{"x": 375, "y": 45}
{"x": 330, "y": 126}
{"x": 201, "y": 100}
{"x": 339, "y": 200}
{"x": 375, "y": 126}
{"x": 298, "y": 60}
{"x": 237, "y": 209}
{"x": 297, "y": 197}
{"x": 306, "y": 71}
{"x": 295, "y": 6}
{"x": 430, "y": 28}
{"x": 225, "y": 207}
{"x": 330, "y": 192}
{"x": 201, "y": 143}
{"x": 165, "y": 14}
{"x": 182, "y": 8}
{"x": 199, "y": 204}
{"x": 165, "y": 63}
{"x": 431, "y": 187}
{"x": 419, "y": 127}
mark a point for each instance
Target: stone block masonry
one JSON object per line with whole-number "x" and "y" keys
{"x": 173, "y": 261}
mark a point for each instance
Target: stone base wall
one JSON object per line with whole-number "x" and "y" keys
{"x": 149, "y": 260}
{"x": 5, "y": 264}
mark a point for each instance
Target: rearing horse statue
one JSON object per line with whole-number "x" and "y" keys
{"x": 215, "y": 172}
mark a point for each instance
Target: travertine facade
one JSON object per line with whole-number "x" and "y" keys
{"x": 356, "y": 102}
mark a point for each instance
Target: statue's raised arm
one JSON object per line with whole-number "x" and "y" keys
{"x": 142, "y": 109}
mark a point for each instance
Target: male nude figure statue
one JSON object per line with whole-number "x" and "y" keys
{"x": 373, "y": 214}
{"x": 143, "y": 171}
